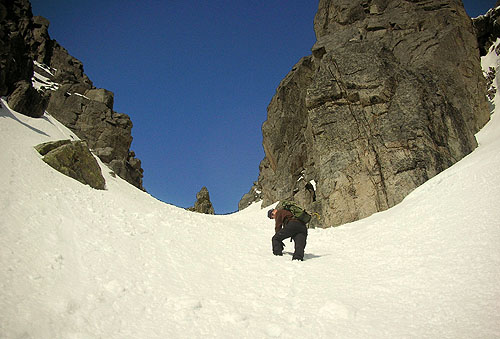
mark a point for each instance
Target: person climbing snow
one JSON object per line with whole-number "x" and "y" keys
{"x": 287, "y": 226}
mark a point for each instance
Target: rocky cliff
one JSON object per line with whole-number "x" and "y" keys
{"x": 487, "y": 28}
{"x": 392, "y": 94}
{"x": 38, "y": 74}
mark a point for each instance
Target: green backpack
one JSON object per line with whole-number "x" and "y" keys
{"x": 297, "y": 211}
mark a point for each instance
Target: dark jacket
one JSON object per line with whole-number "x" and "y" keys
{"x": 281, "y": 218}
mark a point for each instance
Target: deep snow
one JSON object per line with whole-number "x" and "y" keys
{"x": 81, "y": 263}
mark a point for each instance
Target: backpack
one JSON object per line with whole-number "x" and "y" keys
{"x": 297, "y": 211}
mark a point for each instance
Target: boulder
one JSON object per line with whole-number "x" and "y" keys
{"x": 46, "y": 147}
{"x": 128, "y": 169}
{"x": 74, "y": 159}
{"x": 27, "y": 100}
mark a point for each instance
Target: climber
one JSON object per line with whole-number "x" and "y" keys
{"x": 287, "y": 226}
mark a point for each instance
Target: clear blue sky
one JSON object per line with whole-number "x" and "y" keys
{"x": 195, "y": 77}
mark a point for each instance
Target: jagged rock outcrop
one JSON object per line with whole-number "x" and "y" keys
{"x": 203, "y": 203}
{"x": 86, "y": 110}
{"x": 73, "y": 159}
{"x": 252, "y": 196}
{"x": 107, "y": 133}
{"x": 29, "y": 56}
{"x": 487, "y": 28}
{"x": 16, "y": 66}
{"x": 392, "y": 94}
{"x": 15, "y": 60}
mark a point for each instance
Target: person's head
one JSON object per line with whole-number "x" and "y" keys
{"x": 271, "y": 213}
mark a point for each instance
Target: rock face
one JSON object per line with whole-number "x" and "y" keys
{"x": 73, "y": 159}
{"x": 15, "y": 61}
{"x": 487, "y": 28}
{"x": 30, "y": 59}
{"x": 107, "y": 133}
{"x": 252, "y": 196}
{"x": 488, "y": 31}
{"x": 16, "y": 66}
{"x": 392, "y": 94}
{"x": 203, "y": 203}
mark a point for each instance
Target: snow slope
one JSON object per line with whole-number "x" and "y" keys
{"x": 80, "y": 263}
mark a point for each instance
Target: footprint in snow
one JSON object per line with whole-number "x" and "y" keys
{"x": 273, "y": 330}
{"x": 184, "y": 303}
{"x": 337, "y": 310}
{"x": 235, "y": 318}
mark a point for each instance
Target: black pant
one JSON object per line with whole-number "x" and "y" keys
{"x": 298, "y": 232}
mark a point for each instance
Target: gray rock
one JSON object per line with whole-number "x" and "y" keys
{"x": 487, "y": 29}
{"x": 26, "y": 100}
{"x": 46, "y": 147}
{"x": 73, "y": 159}
{"x": 70, "y": 96}
{"x": 67, "y": 69}
{"x": 392, "y": 94}
{"x": 107, "y": 132}
{"x": 253, "y": 195}
{"x": 15, "y": 54}
{"x": 203, "y": 203}
{"x": 101, "y": 95}
{"x": 128, "y": 169}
